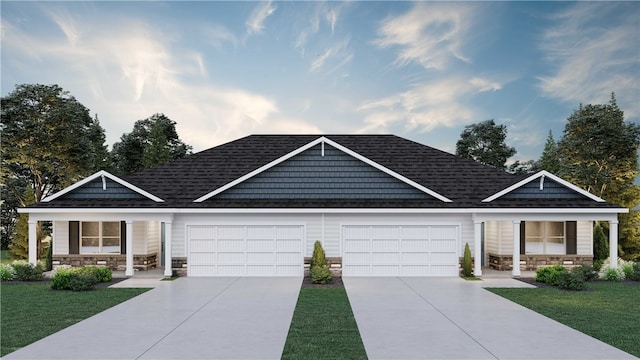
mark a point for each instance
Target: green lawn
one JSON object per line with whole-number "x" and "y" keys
{"x": 609, "y": 312}
{"x": 323, "y": 327}
{"x": 31, "y": 312}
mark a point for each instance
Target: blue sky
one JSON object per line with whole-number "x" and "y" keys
{"x": 424, "y": 70}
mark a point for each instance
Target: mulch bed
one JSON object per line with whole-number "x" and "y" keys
{"x": 533, "y": 282}
{"x": 336, "y": 282}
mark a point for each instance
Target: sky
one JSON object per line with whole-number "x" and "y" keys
{"x": 419, "y": 70}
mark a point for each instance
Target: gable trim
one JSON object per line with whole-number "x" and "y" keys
{"x": 102, "y": 174}
{"x": 541, "y": 175}
{"x": 322, "y": 140}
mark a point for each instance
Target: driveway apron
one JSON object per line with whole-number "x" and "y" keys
{"x": 450, "y": 318}
{"x": 189, "y": 318}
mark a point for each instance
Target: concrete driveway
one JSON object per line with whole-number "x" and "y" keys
{"x": 189, "y": 318}
{"x": 450, "y": 318}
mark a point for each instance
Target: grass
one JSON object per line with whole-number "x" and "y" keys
{"x": 610, "y": 312}
{"x": 30, "y": 312}
{"x": 323, "y": 327}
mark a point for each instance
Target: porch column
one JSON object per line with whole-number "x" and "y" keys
{"x": 477, "y": 248}
{"x": 516, "y": 248}
{"x": 613, "y": 243}
{"x": 129, "y": 246}
{"x": 33, "y": 242}
{"x": 167, "y": 249}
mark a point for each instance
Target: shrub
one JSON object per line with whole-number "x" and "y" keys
{"x": 573, "y": 280}
{"x": 600, "y": 243}
{"x": 61, "y": 279}
{"x": 635, "y": 274}
{"x": 597, "y": 265}
{"x": 82, "y": 280}
{"x": 28, "y": 272}
{"x": 49, "y": 260}
{"x": 102, "y": 274}
{"x": 627, "y": 269}
{"x": 467, "y": 264}
{"x": 550, "y": 274}
{"x": 611, "y": 274}
{"x": 587, "y": 271}
{"x": 7, "y": 273}
{"x": 318, "y": 257}
{"x": 321, "y": 274}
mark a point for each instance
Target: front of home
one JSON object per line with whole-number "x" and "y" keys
{"x": 381, "y": 205}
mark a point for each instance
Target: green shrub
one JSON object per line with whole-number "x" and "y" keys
{"x": 7, "y": 273}
{"x": 611, "y": 274}
{"x": 467, "y": 263}
{"x": 321, "y": 274}
{"x": 550, "y": 274}
{"x": 318, "y": 258}
{"x": 103, "y": 274}
{"x": 600, "y": 243}
{"x": 635, "y": 274}
{"x": 48, "y": 265}
{"x": 82, "y": 280}
{"x": 597, "y": 265}
{"x": 573, "y": 280}
{"x": 587, "y": 271}
{"x": 28, "y": 272}
{"x": 627, "y": 269}
{"x": 61, "y": 279}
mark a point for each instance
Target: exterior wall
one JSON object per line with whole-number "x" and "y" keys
{"x": 60, "y": 237}
{"x": 533, "y": 262}
{"x": 114, "y": 262}
{"x": 584, "y": 239}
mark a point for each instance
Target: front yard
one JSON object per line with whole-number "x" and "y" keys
{"x": 607, "y": 311}
{"x": 31, "y": 312}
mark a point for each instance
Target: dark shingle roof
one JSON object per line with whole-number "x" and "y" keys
{"x": 182, "y": 181}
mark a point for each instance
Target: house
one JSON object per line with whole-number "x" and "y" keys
{"x": 381, "y": 205}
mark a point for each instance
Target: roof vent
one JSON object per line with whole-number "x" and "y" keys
{"x": 541, "y": 182}
{"x": 104, "y": 183}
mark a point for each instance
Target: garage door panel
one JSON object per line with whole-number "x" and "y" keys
{"x": 385, "y": 270}
{"x": 386, "y": 258}
{"x": 415, "y": 258}
{"x": 385, "y": 232}
{"x": 415, "y": 232}
{"x": 443, "y": 245}
{"x": 357, "y": 245}
{"x": 357, "y": 232}
{"x": 245, "y": 250}
{"x": 385, "y": 245}
{"x": 357, "y": 258}
{"x": 443, "y": 258}
{"x": 415, "y": 245}
{"x": 415, "y": 270}
{"x": 444, "y": 232}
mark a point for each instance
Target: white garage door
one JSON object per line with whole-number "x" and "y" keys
{"x": 245, "y": 250}
{"x": 407, "y": 250}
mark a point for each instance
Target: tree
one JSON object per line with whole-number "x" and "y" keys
{"x": 600, "y": 243}
{"x": 599, "y": 152}
{"x": 49, "y": 141}
{"x": 523, "y": 167}
{"x": 550, "y": 158}
{"x": 153, "y": 141}
{"x": 485, "y": 143}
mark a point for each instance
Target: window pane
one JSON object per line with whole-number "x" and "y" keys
{"x": 110, "y": 229}
{"x": 555, "y": 229}
{"x": 90, "y": 245}
{"x": 533, "y": 228}
{"x": 90, "y": 229}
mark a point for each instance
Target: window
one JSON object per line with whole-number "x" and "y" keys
{"x": 100, "y": 237}
{"x": 544, "y": 237}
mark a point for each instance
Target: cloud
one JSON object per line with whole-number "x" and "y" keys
{"x": 218, "y": 35}
{"x": 255, "y": 22}
{"x": 339, "y": 54}
{"x": 589, "y": 60}
{"x": 320, "y": 13}
{"x": 427, "y": 106}
{"x": 430, "y": 34}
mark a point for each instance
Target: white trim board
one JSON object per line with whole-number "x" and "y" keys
{"x": 102, "y": 173}
{"x": 322, "y": 140}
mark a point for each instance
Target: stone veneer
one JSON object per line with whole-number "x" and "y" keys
{"x": 179, "y": 266}
{"x": 533, "y": 262}
{"x": 114, "y": 262}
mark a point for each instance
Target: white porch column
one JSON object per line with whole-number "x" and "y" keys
{"x": 129, "y": 247}
{"x": 516, "y": 249}
{"x": 33, "y": 242}
{"x": 613, "y": 243}
{"x": 167, "y": 249}
{"x": 477, "y": 248}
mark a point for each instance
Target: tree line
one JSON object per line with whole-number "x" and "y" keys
{"x": 50, "y": 141}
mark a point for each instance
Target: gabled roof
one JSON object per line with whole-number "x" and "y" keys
{"x": 103, "y": 176}
{"x": 450, "y": 181}
{"x": 541, "y": 176}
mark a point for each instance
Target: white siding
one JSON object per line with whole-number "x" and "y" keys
{"x": 584, "y": 237}
{"x": 61, "y": 238}
{"x": 498, "y": 237}
{"x": 139, "y": 237}
{"x": 153, "y": 237}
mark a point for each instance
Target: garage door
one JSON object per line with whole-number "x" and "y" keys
{"x": 245, "y": 250}
{"x": 407, "y": 250}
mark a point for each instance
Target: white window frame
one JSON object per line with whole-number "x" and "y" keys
{"x": 101, "y": 238}
{"x": 545, "y": 238}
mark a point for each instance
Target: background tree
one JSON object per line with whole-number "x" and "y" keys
{"x": 485, "y": 143}
{"x": 599, "y": 152}
{"x": 153, "y": 141}
{"x": 49, "y": 141}
{"x": 523, "y": 167}
{"x": 550, "y": 158}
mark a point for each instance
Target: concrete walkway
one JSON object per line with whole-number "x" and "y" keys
{"x": 189, "y": 318}
{"x": 450, "y": 318}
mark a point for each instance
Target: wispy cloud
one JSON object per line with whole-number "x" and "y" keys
{"x": 430, "y": 34}
{"x": 590, "y": 60}
{"x": 255, "y": 22}
{"x": 339, "y": 55}
{"x": 321, "y": 13}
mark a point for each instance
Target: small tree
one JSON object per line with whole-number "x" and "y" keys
{"x": 467, "y": 263}
{"x": 320, "y": 272}
{"x": 318, "y": 258}
{"x": 600, "y": 244}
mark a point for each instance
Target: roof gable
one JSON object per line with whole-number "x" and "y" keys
{"x": 543, "y": 185}
{"x": 322, "y": 169}
{"x": 102, "y": 185}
